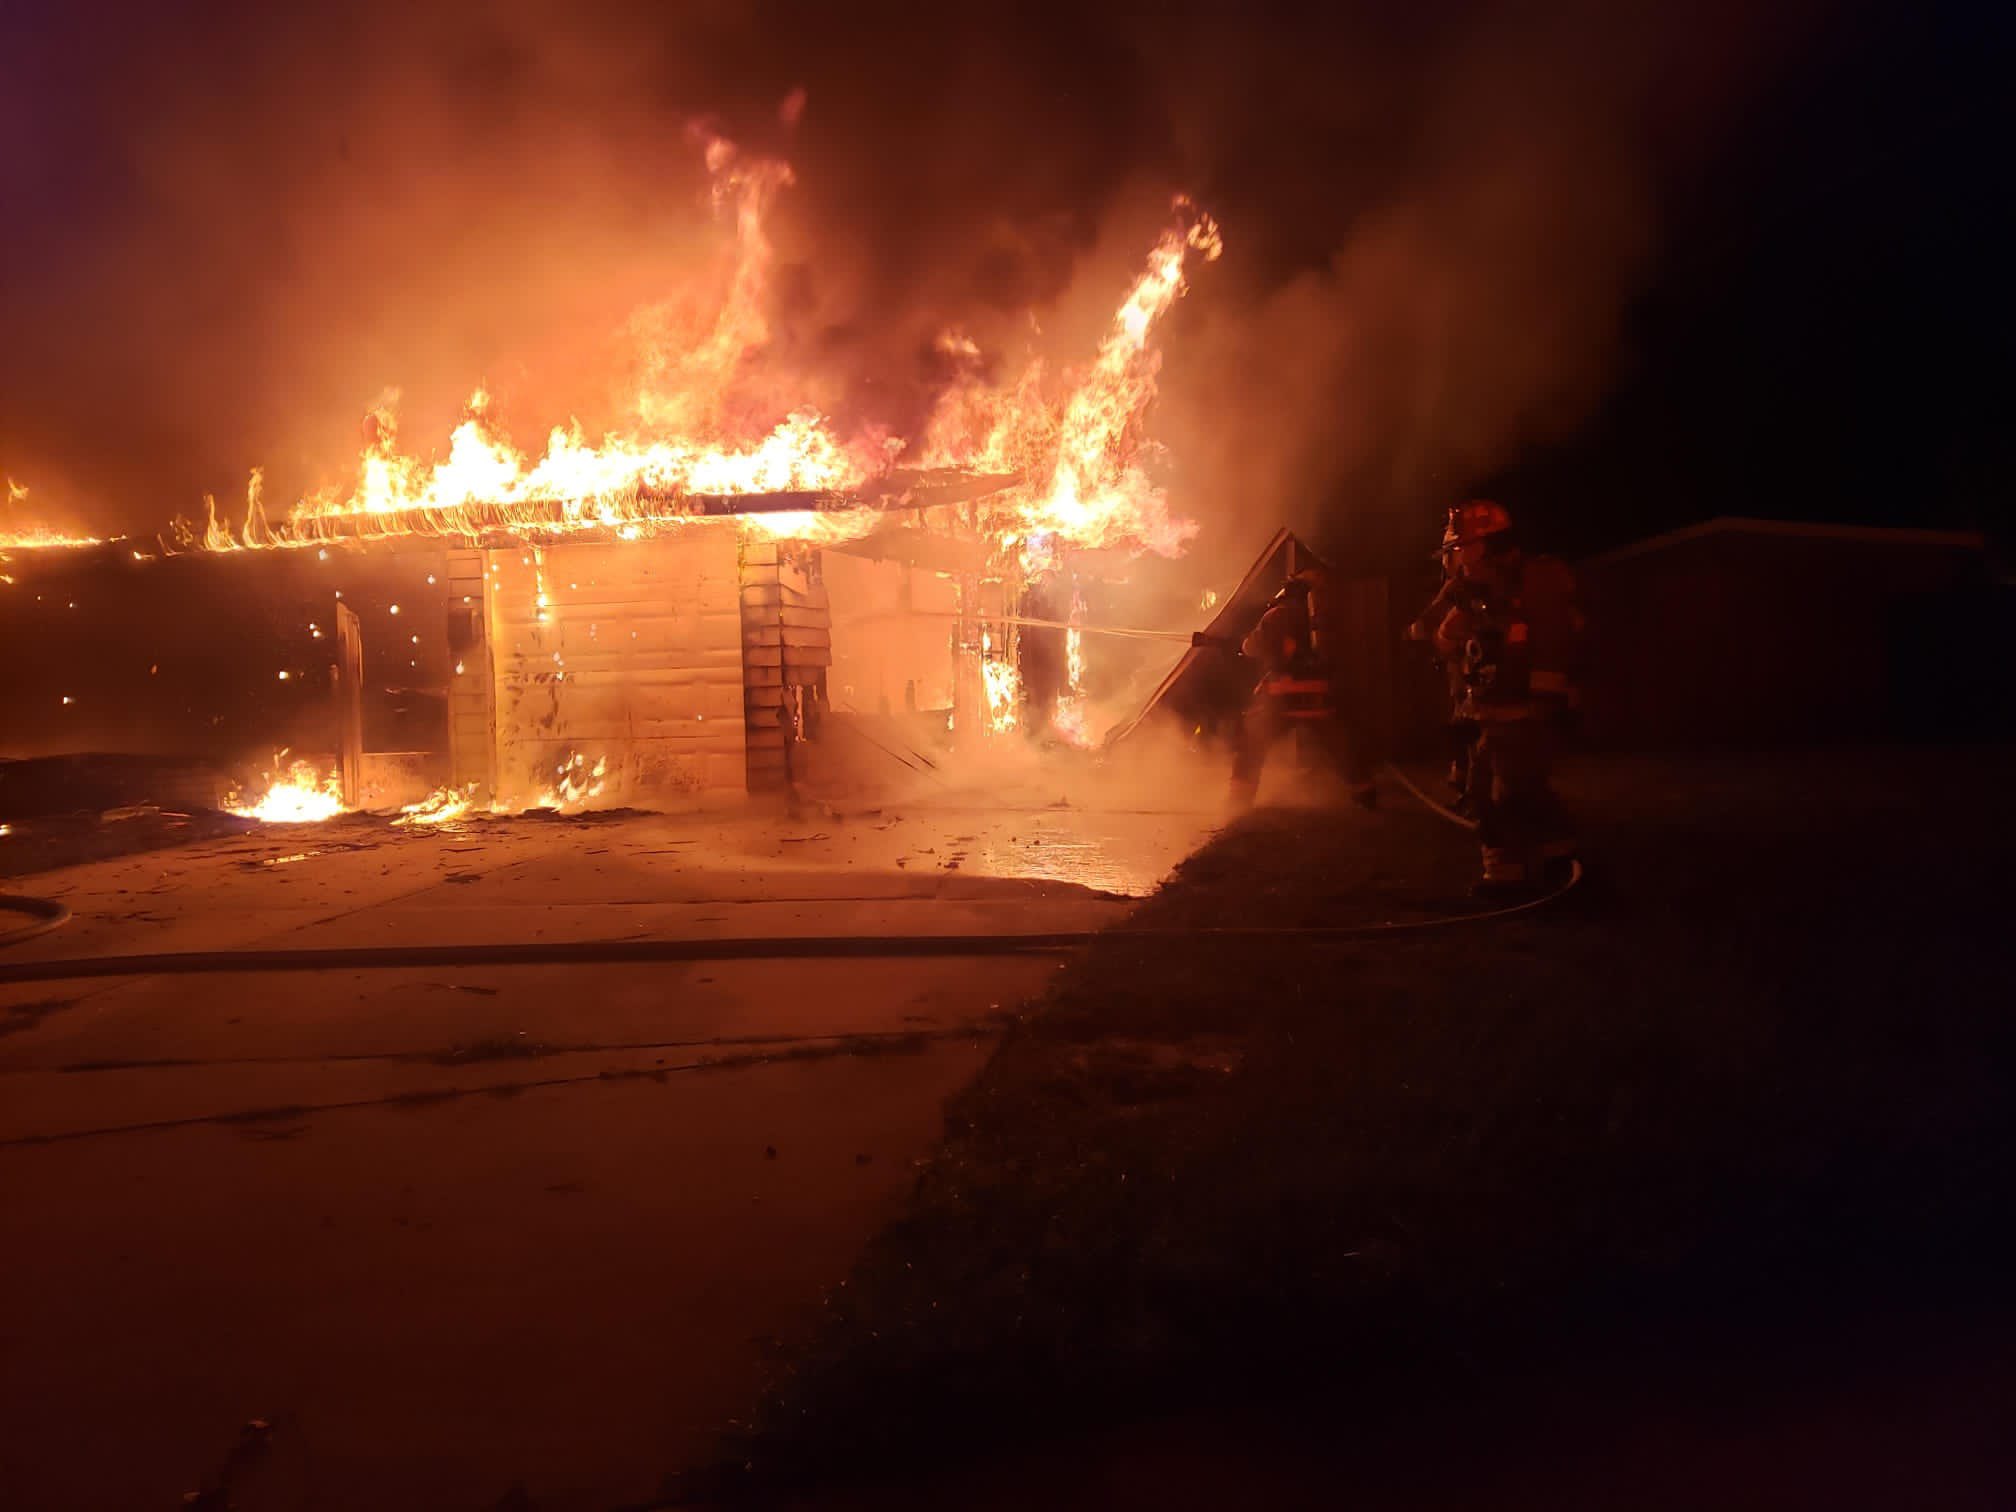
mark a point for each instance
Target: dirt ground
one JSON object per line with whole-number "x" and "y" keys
{"x": 1693, "y": 1190}
{"x": 463, "y": 1236}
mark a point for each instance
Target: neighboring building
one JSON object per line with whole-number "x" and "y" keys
{"x": 1750, "y": 632}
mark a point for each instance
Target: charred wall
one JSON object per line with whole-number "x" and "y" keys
{"x": 183, "y": 656}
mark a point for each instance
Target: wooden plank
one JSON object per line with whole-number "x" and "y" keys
{"x": 811, "y": 589}
{"x": 757, "y": 594}
{"x": 349, "y": 707}
{"x": 786, "y": 635}
{"x": 647, "y": 636}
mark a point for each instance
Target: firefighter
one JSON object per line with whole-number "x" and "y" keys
{"x": 1452, "y": 594}
{"x": 1513, "y": 637}
{"x": 1296, "y": 689}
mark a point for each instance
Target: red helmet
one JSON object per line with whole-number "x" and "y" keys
{"x": 1477, "y": 520}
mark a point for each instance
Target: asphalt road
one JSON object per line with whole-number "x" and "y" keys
{"x": 457, "y": 1234}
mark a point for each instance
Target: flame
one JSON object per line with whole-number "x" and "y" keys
{"x": 1001, "y": 681}
{"x": 299, "y": 795}
{"x": 625, "y": 485}
{"x": 576, "y": 784}
{"x": 1070, "y": 720}
{"x": 812, "y": 526}
{"x": 686, "y": 443}
{"x": 442, "y": 806}
{"x": 1087, "y": 449}
{"x": 685, "y": 392}
{"x": 1098, "y": 494}
{"x": 38, "y": 537}
{"x": 1084, "y": 447}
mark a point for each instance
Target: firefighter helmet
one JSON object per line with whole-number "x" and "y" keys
{"x": 1477, "y": 520}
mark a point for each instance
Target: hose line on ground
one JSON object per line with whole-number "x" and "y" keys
{"x": 46, "y": 914}
{"x": 634, "y": 952}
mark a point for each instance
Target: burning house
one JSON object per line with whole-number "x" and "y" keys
{"x": 688, "y": 663}
{"x": 658, "y": 616}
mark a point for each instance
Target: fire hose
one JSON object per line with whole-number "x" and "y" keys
{"x": 1125, "y": 632}
{"x": 1429, "y": 803}
{"x": 743, "y": 948}
{"x": 45, "y": 914}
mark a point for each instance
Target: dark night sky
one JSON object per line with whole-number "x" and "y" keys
{"x": 1631, "y": 265}
{"x": 1831, "y": 335}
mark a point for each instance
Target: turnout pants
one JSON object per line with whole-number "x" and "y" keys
{"x": 1519, "y": 820}
{"x": 1268, "y": 718}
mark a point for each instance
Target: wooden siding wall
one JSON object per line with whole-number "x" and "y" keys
{"x": 472, "y": 689}
{"x": 786, "y": 644}
{"x": 636, "y": 658}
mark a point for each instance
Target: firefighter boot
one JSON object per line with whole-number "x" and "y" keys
{"x": 1506, "y": 877}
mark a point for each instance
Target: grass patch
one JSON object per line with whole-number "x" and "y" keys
{"x": 1761, "y": 1062}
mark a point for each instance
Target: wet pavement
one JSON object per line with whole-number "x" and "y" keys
{"x": 454, "y": 1232}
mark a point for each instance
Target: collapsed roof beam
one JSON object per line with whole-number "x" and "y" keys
{"x": 893, "y": 491}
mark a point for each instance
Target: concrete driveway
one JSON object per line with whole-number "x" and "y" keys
{"x": 458, "y": 1236}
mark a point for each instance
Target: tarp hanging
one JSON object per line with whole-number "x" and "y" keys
{"x": 1209, "y": 682}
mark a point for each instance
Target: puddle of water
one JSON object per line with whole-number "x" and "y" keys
{"x": 1132, "y": 867}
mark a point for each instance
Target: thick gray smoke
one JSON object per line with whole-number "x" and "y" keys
{"x": 1481, "y": 205}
